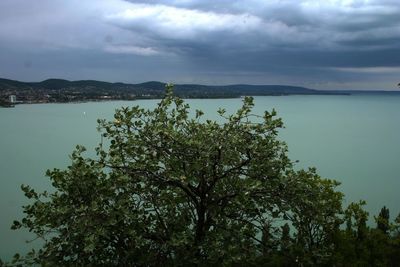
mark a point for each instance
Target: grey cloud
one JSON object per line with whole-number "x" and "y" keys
{"x": 294, "y": 24}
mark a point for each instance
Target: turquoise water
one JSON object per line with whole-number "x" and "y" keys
{"x": 354, "y": 139}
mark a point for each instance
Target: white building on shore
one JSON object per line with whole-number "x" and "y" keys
{"x": 13, "y": 98}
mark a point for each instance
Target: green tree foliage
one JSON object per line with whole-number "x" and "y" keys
{"x": 172, "y": 189}
{"x": 383, "y": 220}
{"x": 359, "y": 245}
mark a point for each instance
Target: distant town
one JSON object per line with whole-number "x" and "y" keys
{"x": 61, "y": 91}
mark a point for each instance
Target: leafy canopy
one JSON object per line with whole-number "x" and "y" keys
{"x": 171, "y": 189}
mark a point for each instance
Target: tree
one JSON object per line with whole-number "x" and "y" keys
{"x": 382, "y": 220}
{"x": 170, "y": 189}
{"x": 395, "y": 242}
{"x": 315, "y": 211}
{"x": 357, "y": 232}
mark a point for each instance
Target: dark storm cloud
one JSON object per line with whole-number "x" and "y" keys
{"x": 320, "y": 43}
{"x": 294, "y": 24}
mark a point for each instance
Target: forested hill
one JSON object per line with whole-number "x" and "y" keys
{"x": 64, "y": 90}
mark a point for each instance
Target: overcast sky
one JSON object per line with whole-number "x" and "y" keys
{"x": 324, "y": 44}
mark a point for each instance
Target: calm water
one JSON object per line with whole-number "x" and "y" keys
{"x": 354, "y": 139}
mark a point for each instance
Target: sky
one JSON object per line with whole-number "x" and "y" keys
{"x": 321, "y": 44}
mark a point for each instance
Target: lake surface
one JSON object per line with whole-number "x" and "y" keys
{"x": 353, "y": 139}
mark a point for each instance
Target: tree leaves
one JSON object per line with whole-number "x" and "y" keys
{"x": 169, "y": 190}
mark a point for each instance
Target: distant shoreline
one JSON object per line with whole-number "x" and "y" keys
{"x": 346, "y": 93}
{"x": 63, "y": 91}
{"x": 11, "y": 105}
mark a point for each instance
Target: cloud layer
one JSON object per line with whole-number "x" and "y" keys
{"x": 318, "y": 43}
